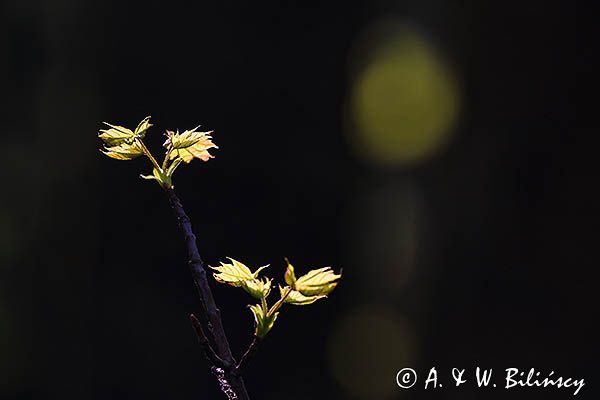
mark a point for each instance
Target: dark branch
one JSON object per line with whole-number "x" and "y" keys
{"x": 210, "y": 317}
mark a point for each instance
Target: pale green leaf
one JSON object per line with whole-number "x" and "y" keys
{"x": 189, "y": 145}
{"x": 238, "y": 275}
{"x": 183, "y": 140}
{"x": 234, "y": 274}
{"x": 318, "y": 282}
{"x": 297, "y": 298}
{"x": 124, "y": 151}
{"x": 116, "y": 135}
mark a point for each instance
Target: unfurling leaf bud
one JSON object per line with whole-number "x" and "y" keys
{"x": 290, "y": 277}
{"x": 258, "y": 288}
{"x": 262, "y": 320}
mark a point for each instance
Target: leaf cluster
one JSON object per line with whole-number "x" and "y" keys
{"x": 122, "y": 143}
{"x": 307, "y": 289}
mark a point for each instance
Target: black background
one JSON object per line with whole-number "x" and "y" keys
{"x": 94, "y": 293}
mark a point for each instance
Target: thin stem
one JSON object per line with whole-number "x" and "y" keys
{"x": 263, "y": 303}
{"x": 164, "y": 164}
{"x": 171, "y": 170}
{"x": 248, "y": 354}
{"x": 279, "y": 303}
{"x": 148, "y": 154}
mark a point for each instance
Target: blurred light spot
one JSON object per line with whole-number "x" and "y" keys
{"x": 367, "y": 348}
{"x": 384, "y": 225}
{"x": 404, "y": 100}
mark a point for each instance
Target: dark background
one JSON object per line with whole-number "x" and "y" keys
{"x": 476, "y": 255}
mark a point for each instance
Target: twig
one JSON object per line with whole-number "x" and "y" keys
{"x": 248, "y": 354}
{"x": 210, "y": 315}
{"x": 208, "y": 350}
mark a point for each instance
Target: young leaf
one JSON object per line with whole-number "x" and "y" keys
{"x": 124, "y": 151}
{"x": 234, "y": 274}
{"x": 116, "y": 135}
{"x": 258, "y": 288}
{"x": 183, "y": 140}
{"x": 262, "y": 321}
{"x": 143, "y": 126}
{"x": 296, "y": 298}
{"x": 318, "y": 282}
{"x": 189, "y": 145}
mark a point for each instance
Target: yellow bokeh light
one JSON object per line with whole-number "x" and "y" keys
{"x": 404, "y": 101}
{"x": 367, "y": 349}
